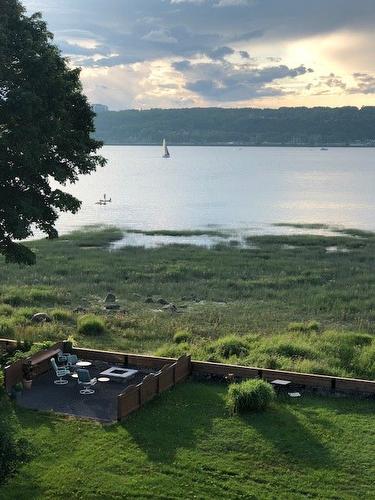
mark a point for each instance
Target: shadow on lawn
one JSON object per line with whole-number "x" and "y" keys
{"x": 287, "y": 429}
{"x": 175, "y": 420}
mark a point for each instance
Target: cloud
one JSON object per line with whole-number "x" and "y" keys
{"x": 244, "y": 54}
{"x": 220, "y": 53}
{"x": 365, "y": 84}
{"x": 133, "y": 37}
{"x": 159, "y": 36}
{"x": 224, "y": 81}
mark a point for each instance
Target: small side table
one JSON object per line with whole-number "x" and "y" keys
{"x": 83, "y": 364}
{"x": 280, "y": 383}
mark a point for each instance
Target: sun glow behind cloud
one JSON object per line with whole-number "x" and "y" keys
{"x": 180, "y": 53}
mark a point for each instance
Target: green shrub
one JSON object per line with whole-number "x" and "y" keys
{"x": 366, "y": 361}
{"x": 62, "y": 315}
{"x": 6, "y": 310}
{"x": 172, "y": 350}
{"x": 6, "y": 329}
{"x": 309, "y": 326}
{"x": 231, "y": 346}
{"x": 348, "y": 338}
{"x": 182, "y": 336}
{"x": 91, "y": 325}
{"x": 249, "y": 395}
{"x": 292, "y": 349}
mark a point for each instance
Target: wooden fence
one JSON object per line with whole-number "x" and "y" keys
{"x": 308, "y": 380}
{"x": 126, "y": 359}
{"x": 169, "y": 373}
{"x": 135, "y": 396}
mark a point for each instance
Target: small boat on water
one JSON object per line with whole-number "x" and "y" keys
{"x": 104, "y": 201}
{"x": 324, "y": 149}
{"x": 165, "y": 150}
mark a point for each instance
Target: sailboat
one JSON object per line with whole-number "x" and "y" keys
{"x": 104, "y": 201}
{"x": 165, "y": 150}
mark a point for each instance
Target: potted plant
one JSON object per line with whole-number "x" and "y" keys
{"x": 27, "y": 374}
{"x": 16, "y": 389}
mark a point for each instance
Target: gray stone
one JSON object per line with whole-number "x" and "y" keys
{"x": 112, "y": 307}
{"x": 170, "y": 308}
{"x": 41, "y": 318}
{"x": 110, "y": 299}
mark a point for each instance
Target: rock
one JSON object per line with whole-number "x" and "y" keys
{"x": 170, "y": 308}
{"x": 149, "y": 300}
{"x": 41, "y": 318}
{"x": 112, "y": 307}
{"x": 79, "y": 309}
{"x": 110, "y": 299}
{"x": 162, "y": 301}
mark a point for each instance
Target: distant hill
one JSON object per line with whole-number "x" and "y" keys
{"x": 248, "y": 126}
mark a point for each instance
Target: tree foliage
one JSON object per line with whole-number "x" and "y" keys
{"x": 45, "y": 131}
{"x": 253, "y": 126}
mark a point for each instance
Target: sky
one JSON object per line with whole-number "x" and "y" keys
{"x": 229, "y": 53}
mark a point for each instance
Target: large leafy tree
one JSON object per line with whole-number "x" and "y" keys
{"x": 45, "y": 131}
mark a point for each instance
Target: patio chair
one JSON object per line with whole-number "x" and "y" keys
{"x": 85, "y": 379}
{"x": 72, "y": 360}
{"x": 61, "y": 357}
{"x": 61, "y": 371}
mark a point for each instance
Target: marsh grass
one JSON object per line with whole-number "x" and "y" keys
{"x": 281, "y": 308}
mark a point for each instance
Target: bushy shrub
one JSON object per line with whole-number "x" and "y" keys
{"x": 28, "y": 295}
{"x": 348, "y": 338}
{"x": 309, "y": 326}
{"x": 6, "y": 310}
{"x": 249, "y": 395}
{"x": 182, "y": 336}
{"x": 366, "y": 361}
{"x": 173, "y": 350}
{"x": 292, "y": 350}
{"x": 91, "y": 325}
{"x": 6, "y": 328}
{"x": 62, "y": 315}
{"x": 231, "y": 346}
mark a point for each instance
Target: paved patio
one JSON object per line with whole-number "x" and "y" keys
{"x": 102, "y": 405}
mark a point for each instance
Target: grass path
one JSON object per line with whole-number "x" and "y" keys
{"x": 184, "y": 445}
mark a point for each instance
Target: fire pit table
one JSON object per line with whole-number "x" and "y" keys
{"x": 117, "y": 373}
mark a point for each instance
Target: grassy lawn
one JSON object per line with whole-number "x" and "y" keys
{"x": 284, "y": 303}
{"x": 185, "y": 445}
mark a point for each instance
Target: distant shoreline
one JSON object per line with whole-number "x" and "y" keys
{"x": 240, "y": 145}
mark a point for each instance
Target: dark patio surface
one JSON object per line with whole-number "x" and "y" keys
{"x": 102, "y": 405}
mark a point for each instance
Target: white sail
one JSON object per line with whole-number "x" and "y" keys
{"x": 165, "y": 150}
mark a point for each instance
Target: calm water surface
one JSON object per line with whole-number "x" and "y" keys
{"x": 241, "y": 189}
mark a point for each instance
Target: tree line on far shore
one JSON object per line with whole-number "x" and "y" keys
{"x": 284, "y": 126}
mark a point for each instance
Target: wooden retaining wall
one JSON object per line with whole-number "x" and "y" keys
{"x": 13, "y": 374}
{"x": 127, "y": 359}
{"x": 7, "y": 345}
{"x": 135, "y": 396}
{"x": 308, "y": 380}
{"x": 40, "y": 362}
{"x": 168, "y": 373}
{"x": 37, "y": 363}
